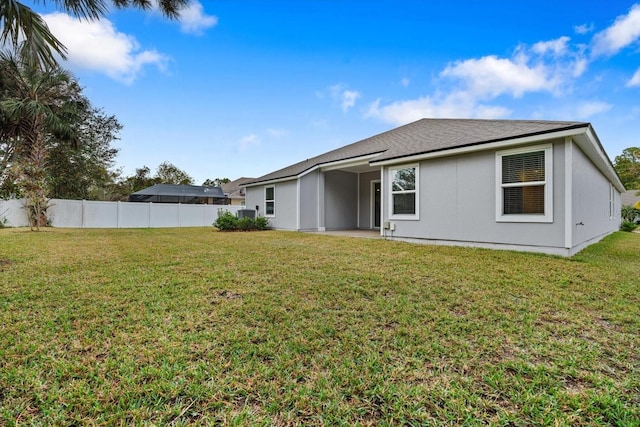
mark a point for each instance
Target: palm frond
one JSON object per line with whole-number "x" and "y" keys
{"x": 169, "y": 8}
{"x": 28, "y": 34}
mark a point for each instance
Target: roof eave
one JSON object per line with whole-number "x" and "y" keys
{"x": 590, "y": 144}
{"x": 485, "y": 145}
{"x": 336, "y": 164}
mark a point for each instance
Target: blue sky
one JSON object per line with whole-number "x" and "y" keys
{"x": 242, "y": 88}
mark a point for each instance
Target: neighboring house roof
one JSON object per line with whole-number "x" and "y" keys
{"x": 177, "y": 191}
{"x": 429, "y": 136}
{"x": 630, "y": 197}
{"x": 233, "y": 190}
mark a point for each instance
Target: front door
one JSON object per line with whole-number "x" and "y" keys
{"x": 375, "y": 203}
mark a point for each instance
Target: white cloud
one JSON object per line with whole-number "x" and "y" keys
{"x": 193, "y": 20}
{"x": 247, "y": 142}
{"x": 591, "y": 108}
{"x": 490, "y": 76}
{"x": 635, "y": 80}
{"x": 455, "y": 105}
{"x": 583, "y": 29}
{"x": 557, "y": 47}
{"x": 349, "y": 99}
{"x": 98, "y": 46}
{"x": 468, "y": 88}
{"x": 579, "y": 67}
{"x": 346, "y": 98}
{"x": 624, "y": 31}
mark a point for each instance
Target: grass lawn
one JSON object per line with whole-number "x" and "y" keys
{"x": 193, "y": 326}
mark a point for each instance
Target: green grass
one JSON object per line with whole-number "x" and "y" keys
{"x": 192, "y": 326}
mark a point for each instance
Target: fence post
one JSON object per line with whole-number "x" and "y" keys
{"x": 118, "y": 215}
{"x": 150, "y": 208}
{"x": 83, "y": 217}
{"x": 179, "y": 208}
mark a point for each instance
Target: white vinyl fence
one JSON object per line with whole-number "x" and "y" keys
{"x": 92, "y": 214}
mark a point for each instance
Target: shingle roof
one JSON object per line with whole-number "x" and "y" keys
{"x": 180, "y": 190}
{"x": 426, "y": 136}
{"x": 233, "y": 189}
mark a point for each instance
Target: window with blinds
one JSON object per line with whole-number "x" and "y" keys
{"x": 524, "y": 188}
{"x": 523, "y": 180}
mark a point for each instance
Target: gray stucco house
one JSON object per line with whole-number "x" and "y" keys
{"x": 541, "y": 186}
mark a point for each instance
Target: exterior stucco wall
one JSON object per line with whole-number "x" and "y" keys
{"x": 254, "y": 197}
{"x": 590, "y": 201}
{"x": 457, "y": 202}
{"x": 309, "y": 201}
{"x": 285, "y": 203}
{"x": 364, "y": 198}
{"x": 341, "y": 205}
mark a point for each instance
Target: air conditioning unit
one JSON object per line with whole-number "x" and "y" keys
{"x": 246, "y": 213}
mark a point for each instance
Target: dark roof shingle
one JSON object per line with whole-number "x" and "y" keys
{"x": 426, "y": 136}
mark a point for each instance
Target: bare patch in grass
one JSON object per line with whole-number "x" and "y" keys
{"x": 229, "y": 295}
{"x": 574, "y": 385}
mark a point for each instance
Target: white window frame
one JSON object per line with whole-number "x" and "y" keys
{"x": 548, "y": 185}
{"x": 270, "y": 200}
{"x": 416, "y": 191}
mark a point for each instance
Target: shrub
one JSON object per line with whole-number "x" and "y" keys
{"x": 246, "y": 224}
{"x": 629, "y": 213}
{"x": 628, "y": 226}
{"x": 262, "y": 223}
{"x": 229, "y": 222}
{"x": 226, "y": 221}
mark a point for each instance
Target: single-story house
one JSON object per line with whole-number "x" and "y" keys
{"x": 234, "y": 191}
{"x": 532, "y": 185}
{"x": 172, "y": 193}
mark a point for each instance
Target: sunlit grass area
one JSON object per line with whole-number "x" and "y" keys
{"x": 194, "y": 326}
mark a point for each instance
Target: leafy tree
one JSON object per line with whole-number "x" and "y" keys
{"x": 138, "y": 181}
{"x": 75, "y": 163}
{"x": 28, "y": 34}
{"x": 168, "y": 173}
{"x": 35, "y": 106}
{"x": 216, "y": 182}
{"x": 627, "y": 166}
{"x": 83, "y": 170}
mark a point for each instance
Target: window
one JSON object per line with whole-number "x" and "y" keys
{"x": 524, "y": 191}
{"x": 404, "y": 194}
{"x": 269, "y": 201}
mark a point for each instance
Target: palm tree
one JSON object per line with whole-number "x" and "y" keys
{"x": 34, "y": 105}
{"x": 24, "y": 28}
